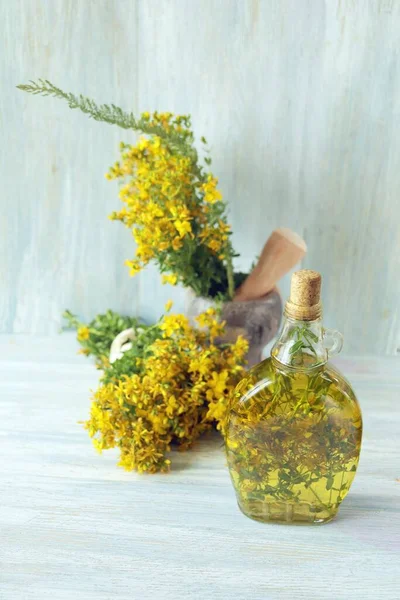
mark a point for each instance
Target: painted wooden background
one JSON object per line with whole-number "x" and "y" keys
{"x": 299, "y": 100}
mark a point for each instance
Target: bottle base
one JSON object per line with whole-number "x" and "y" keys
{"x": 299, "y": 513}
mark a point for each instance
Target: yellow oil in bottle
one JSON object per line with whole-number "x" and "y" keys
{"x": 294, "y": 431}
{"x": 293, "y": 443}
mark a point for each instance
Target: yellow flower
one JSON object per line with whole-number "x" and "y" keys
{"x": 172, "y": 405}
{"x": 176, "y": 243}
{"x": 143, "y": 144}
{"x": 134, "y": 267}
{"x": 201, "y": 364}
{"x": 183, "y": 227}
{"x": 215, "y": 245}
{"x": 211, "y": 194}
{"x": 172, "y": 323}
{"x": 83, "y": 333}
{"x": 172, "y": 279}
{"x": 84, "y": 351}
{"x": 168, "y": 306}
{"x": 240, "y": 348}
{"x": 217, "y": 384}
{"x": 206, "y": 318}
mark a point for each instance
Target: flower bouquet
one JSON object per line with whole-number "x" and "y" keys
{"x": 170, "y": 386}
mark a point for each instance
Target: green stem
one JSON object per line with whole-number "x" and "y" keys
{"x": 271, "y": 405}
{"x": 229, "y": 272}
{"x": 318, "y": 498}
{"x": 341, "y": 485}
{"x": 302, "y": 400}
{"x": 109, "y": 113}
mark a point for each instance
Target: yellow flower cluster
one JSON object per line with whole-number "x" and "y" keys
{"x": 167, "y": 122}
{"x": 182, "y": 389}
{"x": 83, "y": 333}
{"x": 171, "y": 206}
{"x": 211, "y": 194}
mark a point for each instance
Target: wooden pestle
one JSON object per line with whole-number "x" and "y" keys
{"x": 282, "y": 251}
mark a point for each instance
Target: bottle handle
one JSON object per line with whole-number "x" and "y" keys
{"x": 332, "y": 340}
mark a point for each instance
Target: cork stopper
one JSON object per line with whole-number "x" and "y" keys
{"x": 304, "y": 302}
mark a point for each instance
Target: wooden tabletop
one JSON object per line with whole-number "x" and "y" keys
{"x": 74, "y": 526}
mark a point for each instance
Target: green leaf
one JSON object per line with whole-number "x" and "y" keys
{"x": 311, "y": 334}
{"x": 296, "y": 347}
{"x": 329, "y": 482}
{"x": 311, "y": 347}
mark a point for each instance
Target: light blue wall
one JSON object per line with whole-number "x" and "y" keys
{"x": 299, "y": 100}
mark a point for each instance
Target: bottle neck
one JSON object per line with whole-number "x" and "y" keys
{"x": 301, "y": 344}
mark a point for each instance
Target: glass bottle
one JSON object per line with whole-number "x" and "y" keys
{"x": 294, "y": 429}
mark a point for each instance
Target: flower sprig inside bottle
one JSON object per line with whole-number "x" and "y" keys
{"x": 172, "y": 385}
{"x": 305, "y": 339}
